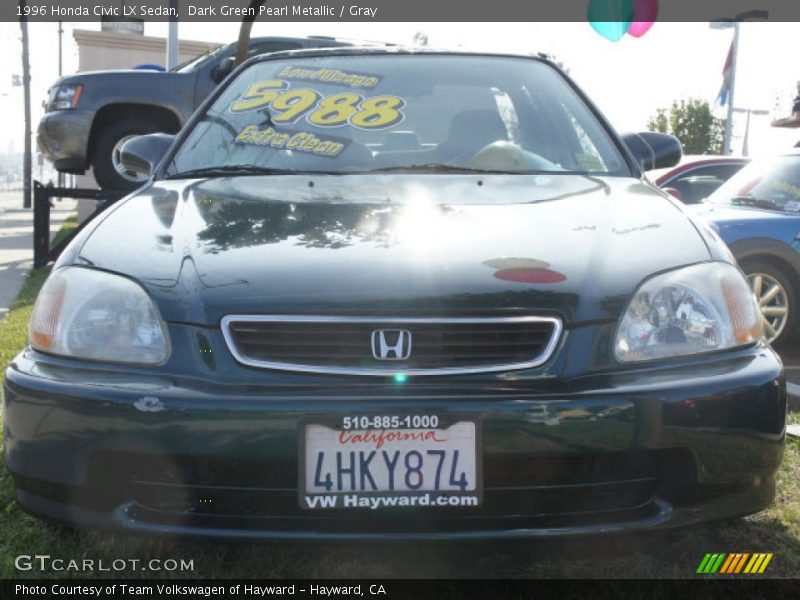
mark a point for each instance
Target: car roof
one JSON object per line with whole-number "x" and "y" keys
{"x": 389, "y": 50}
{"x": 316, "y": 41}
{"x": 711, "y": 158}
{"x": 692, "y": 161}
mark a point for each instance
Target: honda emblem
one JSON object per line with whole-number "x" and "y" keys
{"x": 391, "y": 344}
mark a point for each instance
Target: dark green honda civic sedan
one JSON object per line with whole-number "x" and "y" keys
{"x": 384, "y": 294}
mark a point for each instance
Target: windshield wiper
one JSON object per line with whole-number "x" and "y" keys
{"x": 432, "y": 168}
{"x": 441, "y": 168}
{"x": 755, "y": 202}
{"x": 232, "y": 170}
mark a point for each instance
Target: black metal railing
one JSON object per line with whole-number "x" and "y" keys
{"x": 42, "y": 196}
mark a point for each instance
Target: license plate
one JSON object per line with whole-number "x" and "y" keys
{"x": 387, "y": 461}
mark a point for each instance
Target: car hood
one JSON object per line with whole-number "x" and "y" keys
{"x": 734, "y": 223}
{"x": 133, "y": 77}
{"x": 567, "y": 245}
{"x": 727, "y": 212}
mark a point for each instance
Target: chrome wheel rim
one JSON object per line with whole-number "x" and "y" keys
{"x": 772, "y": 301}
{"x": 116, "y": 161}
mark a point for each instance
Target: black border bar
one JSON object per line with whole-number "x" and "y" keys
{"x": 393, "y": 10}
{"x": 416, "y": 589}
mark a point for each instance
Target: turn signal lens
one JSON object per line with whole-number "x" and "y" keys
{"x": 42, "y": 328}
{"x": 745, "y": 317}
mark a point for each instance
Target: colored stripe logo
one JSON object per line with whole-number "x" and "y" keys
{"x": 735, "y": 562}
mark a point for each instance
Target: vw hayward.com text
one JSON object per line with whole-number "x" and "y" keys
{"x": 143, "y": 11}
{"x": 179, "y": 590}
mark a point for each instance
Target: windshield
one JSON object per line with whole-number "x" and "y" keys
{"x": 770, "y": 183}
{"x": 198, "y": 61}
{"x": 345, "y": 114}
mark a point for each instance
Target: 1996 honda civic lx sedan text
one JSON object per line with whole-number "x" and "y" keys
{"x": 381, "y": 294}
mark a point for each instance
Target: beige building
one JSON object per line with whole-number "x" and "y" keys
{"x": 102, "y": 50}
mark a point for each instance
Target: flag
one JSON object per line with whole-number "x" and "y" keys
{"x": 727, "y": 73}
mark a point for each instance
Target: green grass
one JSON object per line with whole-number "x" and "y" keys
{"x": 14, "y": 326}
{"x": 70, "y": 223}
{"x": 674, "y": 555}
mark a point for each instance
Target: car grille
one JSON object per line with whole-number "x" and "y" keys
{"x": 429, "y": 346}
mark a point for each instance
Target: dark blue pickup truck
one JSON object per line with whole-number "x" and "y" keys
{"x": 88, "y": 116}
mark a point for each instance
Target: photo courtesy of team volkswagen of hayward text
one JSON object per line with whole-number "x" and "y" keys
{"x": 367, "y": 300}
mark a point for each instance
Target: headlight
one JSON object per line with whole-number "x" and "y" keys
{"x": 695, "y": 309}
{"x": 65, "y": 96}
{"x": 83, "y": 313}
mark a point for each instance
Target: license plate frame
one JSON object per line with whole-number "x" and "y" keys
{"x": 335, "y": 422}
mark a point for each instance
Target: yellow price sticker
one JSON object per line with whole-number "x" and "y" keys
{"x": 378, "y": 111}
{"x": 300, "y": 141}
{"x": 259, "y": 94}
{"x": 375, "y": 112}
{"x": 335, "y": 110}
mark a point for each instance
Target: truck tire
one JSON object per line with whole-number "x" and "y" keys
{"x": 105, "y": 158}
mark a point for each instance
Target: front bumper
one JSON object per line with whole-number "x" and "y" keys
{"x": 625, "y": 451}
{"x": 63, "y": 137}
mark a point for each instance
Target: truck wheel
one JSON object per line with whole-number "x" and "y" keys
{"x": 776, "y": 298}
{"x": 108, "y": 170}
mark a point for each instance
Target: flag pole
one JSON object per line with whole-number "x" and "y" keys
{"x": 726, "y": 142}
{"x": 749, "y": 15}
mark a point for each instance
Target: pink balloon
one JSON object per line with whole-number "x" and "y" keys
{"x": 645, "y": 13}
{"x": 639, "y": 28}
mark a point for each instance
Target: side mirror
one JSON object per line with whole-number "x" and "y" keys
{"x": 223, "y": 69}
{"x": 142, "y": 153}
{"x": 653, "y": 150}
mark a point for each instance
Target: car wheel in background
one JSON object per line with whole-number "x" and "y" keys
{"x": 776, "y": 298}
{"x": 108, "y": 170}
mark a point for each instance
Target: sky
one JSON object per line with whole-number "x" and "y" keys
{"x": 628, "y": 80}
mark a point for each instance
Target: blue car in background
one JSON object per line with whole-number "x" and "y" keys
{"x": 757, "y": 213}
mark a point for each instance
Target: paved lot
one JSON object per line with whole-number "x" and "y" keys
{"x": 16, "y": 242}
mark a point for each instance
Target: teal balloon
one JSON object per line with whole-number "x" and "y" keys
{"x": 610, "y": 18}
